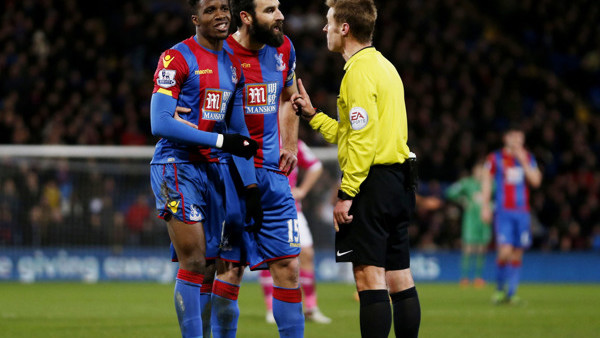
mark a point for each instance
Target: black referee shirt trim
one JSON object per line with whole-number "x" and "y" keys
{"x": 343, "y": 196}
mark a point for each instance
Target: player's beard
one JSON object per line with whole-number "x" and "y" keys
{"x": 267, "y": 34}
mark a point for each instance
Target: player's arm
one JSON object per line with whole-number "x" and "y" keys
{"x": 163, "y": 124}
{"x": 311, "y": 177}
{"x": 171, "y": 72}
{"x": 237, "y": 125}
{"x": 318, "y": 121}
{"x": 288, "y": 155}
{"x": 455, "y": 191}
{"x": 245, "y": 165}
{"x": 486, "y": 190}
{"x": 533, "y": 175}
{"x": 313, "y": 170}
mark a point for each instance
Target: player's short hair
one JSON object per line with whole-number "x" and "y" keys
{"x": 238, "y": 6}
{"x": 194, "y": 4}
{"x": 513, "y": 126}
{"x": 360, "y": 15}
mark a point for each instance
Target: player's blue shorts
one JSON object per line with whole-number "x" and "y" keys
{"x": 191, "y": 193}
{"x": 224, "y": 235}
{"x": 513, "y": 228}
{"x": 228, "y": 235}
{"x": 278, "y": 237}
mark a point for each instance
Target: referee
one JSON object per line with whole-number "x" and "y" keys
{"x": 376, "y": 197}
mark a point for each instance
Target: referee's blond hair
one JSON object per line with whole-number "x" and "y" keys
{"x": 360, "y": 15}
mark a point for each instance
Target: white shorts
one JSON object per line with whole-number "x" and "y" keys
{"x": 306, "y": 239}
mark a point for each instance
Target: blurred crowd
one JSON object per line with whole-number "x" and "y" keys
{"x": 75, "y": 73}
{"x": 46, "y": 202}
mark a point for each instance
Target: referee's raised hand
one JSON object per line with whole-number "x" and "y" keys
{"x": 301, "y": 103}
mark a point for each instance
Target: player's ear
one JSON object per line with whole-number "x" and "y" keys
{"x": 246, "y": 18}
{"x": 195, "y": 20}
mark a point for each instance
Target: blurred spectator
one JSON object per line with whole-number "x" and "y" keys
{"x": 8, "y": 225}
{"x": 10, "y": 208}
{"x": 138, "y": 218}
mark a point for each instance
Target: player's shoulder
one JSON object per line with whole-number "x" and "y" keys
{"x": 491, "y": 158}
{"x": 496, "y": 153}
{"x": 227, "y": 44}
{"x": 183, "y": 46}
{"x": 231, "y": 55}
{"x": 287, "y": 45}
{"x": 175, "y": 55}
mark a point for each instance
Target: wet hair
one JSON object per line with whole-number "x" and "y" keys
{"x": 359, "y": 14}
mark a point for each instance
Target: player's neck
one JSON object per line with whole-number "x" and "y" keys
{"x": 243, "y": 37}
{"x": 509, "y": 151}
{"x": 208, "y": 43}
{"x": 351, "y": 47}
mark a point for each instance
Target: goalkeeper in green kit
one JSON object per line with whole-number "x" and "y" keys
{"x": 476, "y": 234}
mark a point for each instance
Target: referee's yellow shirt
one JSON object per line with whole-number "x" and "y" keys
{"x": 371, "y": 127}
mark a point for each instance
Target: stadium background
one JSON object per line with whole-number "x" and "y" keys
{"x": 80, "y": 74}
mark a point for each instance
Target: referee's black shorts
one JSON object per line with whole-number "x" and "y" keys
{"x": 378, "y": 233}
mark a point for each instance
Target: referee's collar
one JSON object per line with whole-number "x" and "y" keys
{"x": 357, "y": 55}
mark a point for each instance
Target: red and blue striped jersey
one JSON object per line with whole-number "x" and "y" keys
{"x": 511, "y": 189}
{"x": 205, "y": 81}
{"x": 266, "y": 72}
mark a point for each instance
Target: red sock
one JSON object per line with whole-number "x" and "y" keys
{"x": 226, "y": 290}
{"x": 266, "y": 281}
{"x": 190, "y": 276}
{"x": 206, "y": 288}
{"x": 288, "y": 295}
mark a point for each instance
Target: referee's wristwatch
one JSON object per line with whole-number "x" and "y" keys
{"x": 299, "y": 112}
{"x": 343, "y": 196}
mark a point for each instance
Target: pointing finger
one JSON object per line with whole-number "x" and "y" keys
{"x": 301, "y": 89}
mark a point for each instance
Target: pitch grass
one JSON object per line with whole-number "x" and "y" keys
{"x": 146, "y": 310}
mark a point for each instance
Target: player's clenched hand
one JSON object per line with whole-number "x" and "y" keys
{"x": 239, "y": 145}
{"x": 340, "y": 213}
{"x": 287, "y": 161}
{"x": 253, "y": 209}
{"x": 521, "y": 155}
{"x": 183, "y": 110}
{"x": 301, "y": 103}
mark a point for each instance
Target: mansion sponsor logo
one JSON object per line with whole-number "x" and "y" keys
{"x": 215, "y": 104}
{"x": 261, "y": 98}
